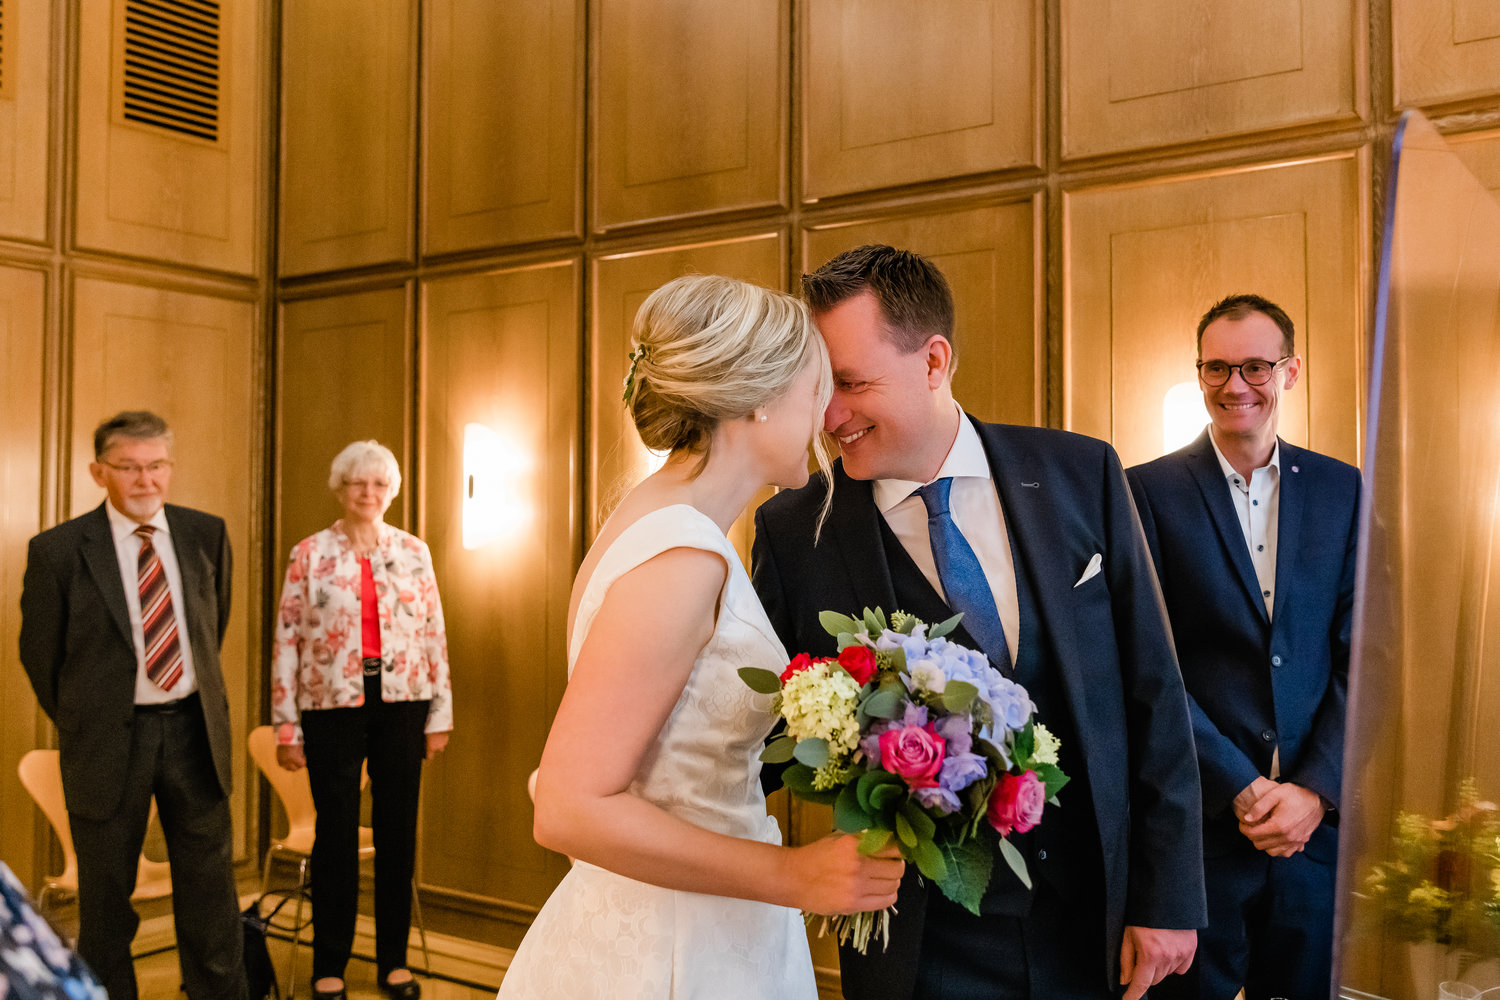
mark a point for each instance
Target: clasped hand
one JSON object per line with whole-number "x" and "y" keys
{"x": 833, "y": 877}
{"x": 1279, "y": 817}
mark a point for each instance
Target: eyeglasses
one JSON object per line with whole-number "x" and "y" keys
{"x": 131, "y": 469}
{"x": 1254, "y": 372}
{"x": 378, "y": 485}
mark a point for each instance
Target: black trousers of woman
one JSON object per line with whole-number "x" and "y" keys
{"x": 336, "y": 741}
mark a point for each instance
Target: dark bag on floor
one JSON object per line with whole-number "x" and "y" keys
{"x": 260, "y": 974}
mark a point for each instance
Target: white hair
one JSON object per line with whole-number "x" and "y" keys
{"x": 365, "y": 456}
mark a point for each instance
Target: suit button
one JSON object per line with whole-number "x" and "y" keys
{"x": 1268, "y": 735}
{"x": 1041, "y": 855}
{"x": 1275, "y": 661}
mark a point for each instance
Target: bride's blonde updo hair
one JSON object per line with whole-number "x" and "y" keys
{"x": 710, "y": 349}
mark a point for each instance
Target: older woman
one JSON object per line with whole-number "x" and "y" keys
{"x": 360, "y": 672}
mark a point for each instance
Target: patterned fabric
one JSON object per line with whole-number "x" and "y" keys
{"x": 317, "y": 647}
{"x": 609, "y": 937}
{"x": 158, "y": 622}
{"x": 35, "y": 964}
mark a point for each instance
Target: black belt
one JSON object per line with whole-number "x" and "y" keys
{"x": 168, "y": 707}
{"x": 371, "y": 666}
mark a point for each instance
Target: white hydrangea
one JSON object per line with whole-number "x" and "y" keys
{"x": 821, "y": 702}
{"x": 1047, "y": 745}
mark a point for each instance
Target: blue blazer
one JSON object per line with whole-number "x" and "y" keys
{"x": 1257, "y": 682}
{"x": 1065, "y": 498}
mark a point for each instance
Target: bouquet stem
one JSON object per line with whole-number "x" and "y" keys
{"x": 855, "y": 928}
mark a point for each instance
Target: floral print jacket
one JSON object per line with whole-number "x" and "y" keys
{"x": 316, "y": 654}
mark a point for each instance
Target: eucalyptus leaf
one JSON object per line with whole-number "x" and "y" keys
{"x": 958, "y": 696}
{"x": 870, "y": 782}
{"x": 812, "y": 751}
{"x": 943, "y": 628}
{"x": 885, "y": 703}
{"x": 759, "y": 680}
{"x": 873, "y": 839}
{"x": 834, "y": 623}
{"x": 798, "y": 779}
{"x": 779, "y": 750}
{"x": 1017, "y": 863}
{"x": 874, "y": 622}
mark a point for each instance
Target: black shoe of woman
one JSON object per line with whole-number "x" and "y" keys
{"x": 407, "y": 989}
{"x": 337, "y": 993}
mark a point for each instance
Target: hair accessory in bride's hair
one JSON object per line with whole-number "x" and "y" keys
{"x": 636, "y": 356}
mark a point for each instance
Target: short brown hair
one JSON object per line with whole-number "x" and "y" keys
{"x": 1242, "y": 305}
{"x": 912, "y": 293}
{"x": 142, "y": 425}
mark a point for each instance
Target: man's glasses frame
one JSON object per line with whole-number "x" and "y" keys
{"x": 1256, "y": 371}
{"x": 131, "y": 469}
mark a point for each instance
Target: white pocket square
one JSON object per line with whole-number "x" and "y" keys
{"x": 1091, "y": 570}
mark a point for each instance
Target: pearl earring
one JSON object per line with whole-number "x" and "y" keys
{"x": 761, "y": 417}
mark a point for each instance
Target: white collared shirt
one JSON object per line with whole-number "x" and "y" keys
{"x": 975, "y": 506}
{"x": 128, "y": 552}
{"x": 1257, "y": 503}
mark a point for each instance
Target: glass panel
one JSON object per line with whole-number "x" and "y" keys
{"x": 1419, "y": 855}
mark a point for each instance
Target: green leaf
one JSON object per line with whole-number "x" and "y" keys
{"x": 885, "y": 796}
{"x": 834, "y": 623}
{"x": 885, "y": 703}
{"x": 873, "y": 839}
{"x": 812, "y": 751}
{"x": 760, "y": 681}
{"x": 905, "y": 832}
{"x": 1025, "y": 744}
{"x": 779, "y": 750}
{"x": 929, "y": 861}
{"x": 799, "y": 781}
{"x": 970, "y": 865}
{"x": 1052, "y": 777}
{"x": 920, "y": 822}
{"x": 870, "y": 782}
{"x": 847, "y": 814}
{"x": 943, "y": 628}
{"x": 1017, "y": 863}
{"x": 958, "y": 696}
{"x": 874, "y": 622}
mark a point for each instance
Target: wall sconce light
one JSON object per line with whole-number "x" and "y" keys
{"x": 1183, "y": 415}
{"x": 494, "y": 507}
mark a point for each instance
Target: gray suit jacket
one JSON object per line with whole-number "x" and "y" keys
{"x": 77, "y": 650}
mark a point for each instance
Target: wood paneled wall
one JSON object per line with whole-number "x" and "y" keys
{"x": 1091, "y": 177}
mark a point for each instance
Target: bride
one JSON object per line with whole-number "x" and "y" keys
{"x": 650, "y": 778}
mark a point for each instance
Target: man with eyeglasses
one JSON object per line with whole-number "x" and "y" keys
{"x": 123, "y": 611}
{"x": 1254, "y": 540}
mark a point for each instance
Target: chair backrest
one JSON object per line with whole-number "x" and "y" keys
{"x": 291, "y": 787}
{"x": 41, "y": 775}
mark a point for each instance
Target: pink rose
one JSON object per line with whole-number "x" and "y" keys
{"x": 1017, "y": 803}
{"x": 914, "y": 752}
{"x": 859, "y": 661}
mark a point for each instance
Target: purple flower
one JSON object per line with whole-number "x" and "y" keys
{"x": 1009, "y": 702}
{"x": 916, "y": 715}
{"x": 956, "y": 730}
{"x": 959, "y": 771}
{"x": 940, "y": 799}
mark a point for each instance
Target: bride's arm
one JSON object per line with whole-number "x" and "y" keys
{"x": 628, "y": 676}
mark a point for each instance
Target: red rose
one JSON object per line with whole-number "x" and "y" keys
{"x": 859, "y": 661}
{"x": 1017, "y": 803}
{"x": 799, "y": 663}
{"x": 914, "y": 752}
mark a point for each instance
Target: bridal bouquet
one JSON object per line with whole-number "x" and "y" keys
{"x": 913, "y": 738}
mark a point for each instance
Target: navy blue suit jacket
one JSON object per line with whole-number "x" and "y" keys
{"x": 1257, "y": 682}
{"x": 1065, "y": 498}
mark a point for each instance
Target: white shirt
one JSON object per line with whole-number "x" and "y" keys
{"x": 1257, "y": 504}
{"x": 975, "y": 507}
{"x": 128, "y": 552}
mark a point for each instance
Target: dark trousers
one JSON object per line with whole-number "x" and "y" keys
{"x": 1054, "y": 952}
{"x": 170, "y": 759}
{"x": 337, "y": 741}
{"x": 1270, "y": 930}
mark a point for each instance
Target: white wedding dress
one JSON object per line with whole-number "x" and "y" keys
{"x": 602, "y": 935}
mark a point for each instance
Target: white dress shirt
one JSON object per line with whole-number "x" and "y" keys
{"x": 1257, "y": 503}
{"x": 975, "y": 507}
{"x": 128, "y": 552}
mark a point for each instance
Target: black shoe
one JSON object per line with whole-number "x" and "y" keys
{"x": 408, "y": 990}
{"x": 338, "y": 994}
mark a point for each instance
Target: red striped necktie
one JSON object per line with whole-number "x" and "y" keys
{"x": 158, "y": 622}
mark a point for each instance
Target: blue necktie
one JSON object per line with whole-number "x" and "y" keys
{"x": 962, "y": 576}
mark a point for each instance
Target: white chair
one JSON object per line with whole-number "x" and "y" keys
{"x": 41, "y": 776}
{"x": 295, "y": 793}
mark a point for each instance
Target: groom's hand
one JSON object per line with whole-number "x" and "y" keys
{"x": 1150, "y": 954}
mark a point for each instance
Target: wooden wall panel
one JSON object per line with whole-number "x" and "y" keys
{"x": 132, "y": 346}
{"x": 992, "y": 259}
{"x": 1445, "y": 50}
{"x": 617, "y": 459}
{"x": 1480, "y": 152}
{"x": 22, "y": 333}
{"x": 145, "y": 191}
{"x": 690, "y": 108}
{"x": 501, "y": 349}
{"x": 895, "y": 92}
{"x": 348, "y": 86}
{"x": 1145, "y": 261}
{"x": 25, "y": 117}
{"x": 1137, "y": 75}
{"x": 344, "y": 377}
{"x": 503, "y": 132}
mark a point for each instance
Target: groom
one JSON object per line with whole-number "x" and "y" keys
{"x": 1059, "y": 592}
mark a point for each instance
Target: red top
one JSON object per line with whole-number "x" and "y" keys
{"x": 369, "y": 609}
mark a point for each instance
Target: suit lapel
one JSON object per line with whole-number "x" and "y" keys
{"x": 1205, "y": 468}
{"x": 104, "y": 566}
{"x": 194, "y": 571}
{"x": 1288, "y": 525}
{"x": 854, "y": 522}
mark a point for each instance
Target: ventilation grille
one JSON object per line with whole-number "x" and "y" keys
{"x": 172, "y": 65}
